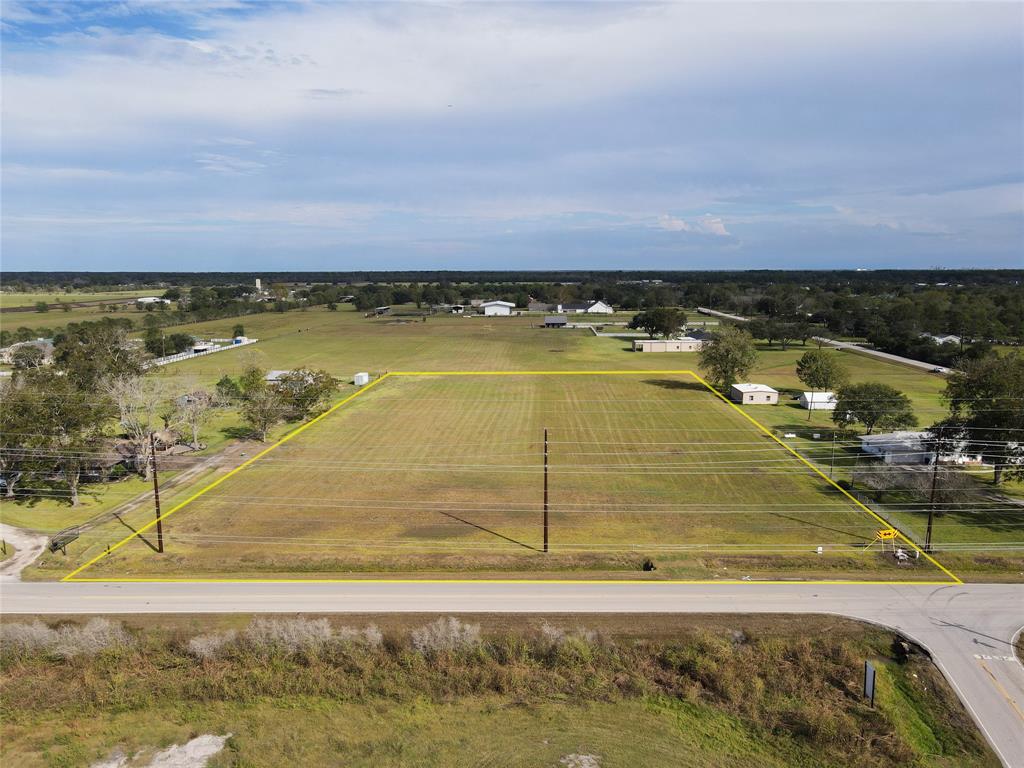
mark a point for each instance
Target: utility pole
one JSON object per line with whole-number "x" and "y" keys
{"x": 545, "y": 489}
{"x": 832, "y": 461}
{"x": 156, "y": 495}
{"x": 931, "y": 498}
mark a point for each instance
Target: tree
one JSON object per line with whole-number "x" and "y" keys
{"x": 873, "y": 405}
{"x": 262, "y": 408}
{"x": 664, "y": 321}
{"x": 193, "y": 410}
{"x": 140, "y": 402}
{"x": 42, "y": 306}
{"x": 238, "y": 330}
{"x": 228, "y": 389}
{"x": 306, "y": 391}
{"x": 27, "y": 356}
{"x": 987, "y": 413}
{"x": 92, "y": 352}
{"x": 820, "y": 369}
{"x": 728, "y": 356}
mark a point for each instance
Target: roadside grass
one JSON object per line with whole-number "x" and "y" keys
{"x": 444, "y": 474}
{"x": 7, "y": 551}
{"x": 525, "y": 690}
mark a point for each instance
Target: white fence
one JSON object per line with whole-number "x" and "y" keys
{"x": 188, "y": 355}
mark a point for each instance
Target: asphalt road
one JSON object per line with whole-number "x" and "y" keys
{"x": 968, "y": 629}
{"x": 857, "y": 349}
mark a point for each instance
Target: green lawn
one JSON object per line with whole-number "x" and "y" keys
{"x": 444, "y": 474}
{"x": 12, "y": 299}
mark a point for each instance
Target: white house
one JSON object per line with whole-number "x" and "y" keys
{"x": 682, "y": 344}
{"x": 818, "y": 401}
{"x": 948, "y": 338}
{"x": 587, "y": 308}
{"x": 753, "y": 394}
{"x": 913, "y": 448}
{"x": 497, "y": 307}
{"x": 152, "y": 300}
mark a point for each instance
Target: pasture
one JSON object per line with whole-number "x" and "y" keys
{"x": 442, "y": 474}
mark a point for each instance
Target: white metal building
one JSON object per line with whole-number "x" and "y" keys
{"x": 818, "y": 401}
{"x": 753, "y": 394}
{"x": 497, "y": 307}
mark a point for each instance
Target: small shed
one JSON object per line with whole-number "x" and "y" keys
{"x": 753, "y": 394}
{"x": 818, "y": 401}
{"x": 203, "y": 346}
{"x": 555, "y": 321}
{"x": 361, "y": 379}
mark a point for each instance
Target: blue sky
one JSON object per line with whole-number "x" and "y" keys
{"x": 221, "y": 134}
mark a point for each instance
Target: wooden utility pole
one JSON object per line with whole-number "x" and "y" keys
{"x": 545, "y": 489}
{"x": 156, "y": 495}
{"x": 931, "y": 498}
{"x": 832, "y": 462}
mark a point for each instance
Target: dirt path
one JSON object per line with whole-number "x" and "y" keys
{"x": 28, "y": 546}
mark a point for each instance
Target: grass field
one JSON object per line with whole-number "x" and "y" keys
{"x": 694, "y": 691}
{"x": 442, "y": 474}
{"x": 12, "y": 299}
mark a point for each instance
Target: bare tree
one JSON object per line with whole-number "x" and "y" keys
{"x": 140, "y": 402}
{"x": 193, "y": 409}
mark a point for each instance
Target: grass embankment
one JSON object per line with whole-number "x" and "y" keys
{"x": 695, "y": 691}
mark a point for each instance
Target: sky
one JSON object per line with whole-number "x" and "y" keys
{"x": 191, "y": 135}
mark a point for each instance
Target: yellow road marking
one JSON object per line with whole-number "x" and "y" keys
{"x": 72, "y": 576}
{"x": 1002, "y": 690}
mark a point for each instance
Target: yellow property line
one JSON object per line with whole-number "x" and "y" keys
{"x": 298, "y": 430}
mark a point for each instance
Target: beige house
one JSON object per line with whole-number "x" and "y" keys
{"x": 753, "y": 394}
{"x": 684, "y": 344}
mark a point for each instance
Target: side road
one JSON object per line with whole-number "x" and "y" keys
{"x": 968, "y": 628}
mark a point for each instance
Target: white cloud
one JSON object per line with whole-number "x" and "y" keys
{"x": 704, "y": 225}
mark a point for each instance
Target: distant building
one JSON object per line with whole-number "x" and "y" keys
{"x": 683, "y": 344}
{"x": 818, "y": 401}
{"x": 948, "y": 338}
{"x": 152, "y": 300}
{"x": 753, "y": 394}
{"x": 259, "y": 285}
{"x": 491, "y": 308}
{"x": 906, "y": 447}
{"x": 555, "y": 321}
{"x": 202, "y": 346}
{"x": 587, "y": 308}
{"x": 382, "y": 311}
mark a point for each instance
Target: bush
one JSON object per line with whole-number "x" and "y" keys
{"x": 445, "y": 635}
{"x": 68, "y": 641}
{"x": 211, "y": 646}
{"x": 289, "y": 635}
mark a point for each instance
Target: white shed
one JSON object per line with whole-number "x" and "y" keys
{"x": 361, "y": 379}
{"x": 682, "y": 344}
{"x": 753, "y": 394}
{"x": 818, "y": 401}
{"x": 497, "y": 307}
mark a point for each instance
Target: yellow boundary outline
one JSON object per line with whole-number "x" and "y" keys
{"x": 73, "y": 576}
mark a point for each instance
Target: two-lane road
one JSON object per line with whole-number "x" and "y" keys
{"x": 968, "y": 629}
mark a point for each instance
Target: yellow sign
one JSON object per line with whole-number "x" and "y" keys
{"x": 887, "y": 533}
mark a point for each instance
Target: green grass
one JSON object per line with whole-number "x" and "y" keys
{"x": 11, "y": 299}
{"x": 344, "y": 342}
{"x": 630, "y": 690}
{"x": 444, "y": 473}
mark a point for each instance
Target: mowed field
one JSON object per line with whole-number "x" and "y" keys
{"x": 13, "y": 299}
{"x": 443, "y": 474}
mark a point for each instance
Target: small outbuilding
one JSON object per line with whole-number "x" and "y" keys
{"x": 492, "y": 308}
{"x": 361, "y": 379}
{"x": 818, "y": 401}
{"x": 753, "y": 394}
{"x": 587, "y": 308}
{"x": 203, "y": 346}
{"x": 683, "y": 344}
{"x": 555, "y": 321}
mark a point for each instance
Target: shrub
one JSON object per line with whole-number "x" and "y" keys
{"x": 70, "y": 640}
{"x": 211, "y": 646}
{"x": 445, "y": 635}
{"x": 289, "y": 635}
{"x": 370, "y": 638}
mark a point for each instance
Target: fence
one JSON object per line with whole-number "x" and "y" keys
{"x": 190, "y": 354}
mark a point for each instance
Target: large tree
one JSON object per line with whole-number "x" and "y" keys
{"x": 306, "y": 391}
{"x": 262, "y": 408}
{"x": 660, "y": 321}
{"x": 986, "y": 411}
{"x": 820, "y": 369}
{"x": 728, "y": 356}
{"x": 873, "y": 405}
